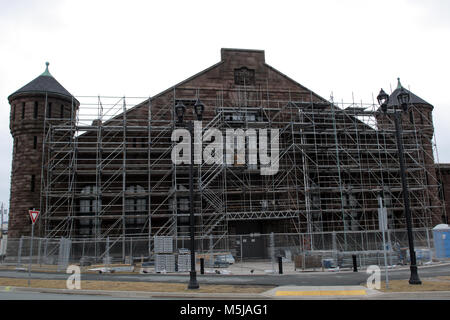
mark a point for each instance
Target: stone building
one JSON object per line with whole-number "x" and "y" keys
{"x": 100, "y": 169}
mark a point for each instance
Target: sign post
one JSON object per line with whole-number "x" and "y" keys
{"x": 383, "y": 224}
{"x": 34, "y": 214}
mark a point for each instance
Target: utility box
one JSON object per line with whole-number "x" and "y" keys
{"x": 441, "y": 236}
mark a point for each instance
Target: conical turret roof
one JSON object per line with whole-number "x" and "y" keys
{"x": 413, "y": 99}
{"x": 45, "y": 83}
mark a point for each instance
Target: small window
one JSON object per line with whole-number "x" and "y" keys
{"x": 23, "y": 110}
{"x": 35, "y": 114}
{"x": 34, "y": 142}
{"x": 421, "y": 119}
{"x": 32, "y": 184}
{"x": 411, "y": 117}
{"x": 244, "y": 76}
{"x": 14, "y": 112}
{"x": 49, "y": 110}
{"x": 62, "y": 111}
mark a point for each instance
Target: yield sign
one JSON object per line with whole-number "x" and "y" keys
{"x": 34, "y": 215}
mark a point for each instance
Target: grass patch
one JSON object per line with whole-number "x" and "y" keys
{"x": 428, "y": 284}
{"x": 133, "y": 286}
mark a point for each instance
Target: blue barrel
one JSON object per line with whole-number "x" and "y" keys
{"x": 441, "y": 236}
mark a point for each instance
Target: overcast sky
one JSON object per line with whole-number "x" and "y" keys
{"x": 139, "y": 48}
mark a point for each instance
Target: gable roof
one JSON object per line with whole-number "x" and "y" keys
{"x": 198, "y": 74}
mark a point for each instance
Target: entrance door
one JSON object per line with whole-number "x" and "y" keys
{"x": 253, "y": 245}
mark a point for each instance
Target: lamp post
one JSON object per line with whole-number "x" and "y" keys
{"x": 180, "y": 109}
{"x": 403, "y": 101}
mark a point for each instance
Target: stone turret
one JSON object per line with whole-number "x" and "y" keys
{"x": 41, "y": 99}
{"x": 418, "y": 119}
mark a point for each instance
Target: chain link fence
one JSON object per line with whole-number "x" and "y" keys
{"x": 306, "y": 250}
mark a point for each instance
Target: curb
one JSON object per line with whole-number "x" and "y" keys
{"x": 138, "y": 294}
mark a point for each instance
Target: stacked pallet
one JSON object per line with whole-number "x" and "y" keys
{"x": 164, "y": 258}
{"x": 165, "y": 263}
{"x": 163, "y": 244}
{"x": 184, "y": 262}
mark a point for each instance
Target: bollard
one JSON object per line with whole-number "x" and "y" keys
{"x": 355, "y": 267}
{"x": 202, "y": 265}
{"x": 280, "y": 265}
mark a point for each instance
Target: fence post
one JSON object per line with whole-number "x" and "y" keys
{"x": 131, "y": 250}
{"x": 69, "y": 251}
{"x": 334, "y": 247}
{"x": 149, "y": 245}
{"x": 362, "y": 241}
{"x": 272, "y": 250}
{"x": 45, "y": 248}
{"x": 60, "y": 253}
{"x": 211, "y": 260}
{"x": 82, "y": 250}
{"x": 19, "y": 257}
{"x": 242, "y": 255}
{"x": 107, "y": 252}
{"x": 39, "y": 252}
{"x": 302, "y": 243}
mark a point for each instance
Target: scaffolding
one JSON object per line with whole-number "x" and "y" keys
{"x": 107, "y": 169}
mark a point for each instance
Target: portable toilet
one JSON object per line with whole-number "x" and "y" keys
{"x": 441, "y": 235}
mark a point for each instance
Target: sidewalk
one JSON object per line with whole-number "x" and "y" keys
{"x": 137, "y": 294}
{"x": 286, "y": 292}
{"x": 340, "y": 293}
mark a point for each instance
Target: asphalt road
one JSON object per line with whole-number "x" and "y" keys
{"x": 300, "y": 278}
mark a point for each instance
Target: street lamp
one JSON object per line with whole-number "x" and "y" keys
{"x": 180, "y": 110}
{"x": 403, "y": 101}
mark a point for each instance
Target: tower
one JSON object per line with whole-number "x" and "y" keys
{"x": 418, "y": 130}
{"x": 42, "y": 101}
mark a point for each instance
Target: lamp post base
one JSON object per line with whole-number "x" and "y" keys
{"x": 193, "y": 284}
{"x": 414, "y": 278}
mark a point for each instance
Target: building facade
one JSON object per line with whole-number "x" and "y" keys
{"x": 101, "y": 167}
